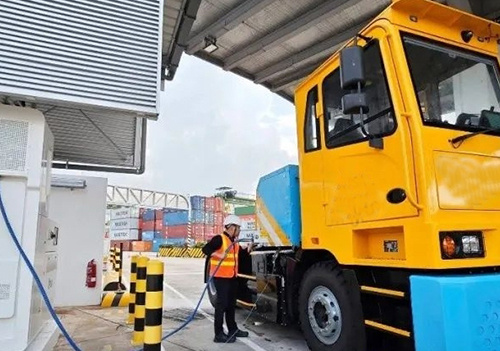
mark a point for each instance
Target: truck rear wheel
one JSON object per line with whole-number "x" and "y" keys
{"x": 327, "y": 313}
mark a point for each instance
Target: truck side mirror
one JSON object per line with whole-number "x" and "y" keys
{"x": 352, "y": 77}
{"x": 352, "y": 68}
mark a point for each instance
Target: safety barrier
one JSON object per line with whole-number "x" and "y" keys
{"x": 154, "y": 306}
{"x": 188, "y": 252}
{"x": 140, "y": 301}
{"x": 111, "y": 257}
{"x": 118, "y": 260}
{"x": 115, "y": 299}
{"x": 133, "y": 278}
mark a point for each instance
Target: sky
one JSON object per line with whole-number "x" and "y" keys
{"x": 215, "y": 129}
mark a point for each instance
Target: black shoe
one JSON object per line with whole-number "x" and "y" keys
{"x": 223, "y": 338}
{"x": 240, "y": 334}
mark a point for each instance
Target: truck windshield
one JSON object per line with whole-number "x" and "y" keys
{"x": 455, "y": 89}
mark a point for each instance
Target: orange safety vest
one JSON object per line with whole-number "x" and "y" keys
{"x": 229, "y": 265}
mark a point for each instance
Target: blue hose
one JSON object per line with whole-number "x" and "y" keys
{"x": 36, "y": 278}
{"x": 54, "y": 315}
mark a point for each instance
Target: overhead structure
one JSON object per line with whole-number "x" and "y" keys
{"x": 94, "y": 69}
{"x": 126, "y": 196}
{"x": 277, "y": 43}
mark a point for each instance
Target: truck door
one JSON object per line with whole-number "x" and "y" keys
{"x": 358, "y": 177}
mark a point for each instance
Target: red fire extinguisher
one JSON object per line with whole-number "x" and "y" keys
{"x": 91, "y": 274}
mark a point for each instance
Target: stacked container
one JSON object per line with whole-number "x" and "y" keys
{"x": 124, "y": 224}
{"x": 207, "y": 217}
{"x": 214, "y": 217}
{"x": 175, "y": 227}
{"x": 148, "y": 224}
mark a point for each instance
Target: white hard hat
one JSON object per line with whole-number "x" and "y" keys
{"x": 232, "y": 219}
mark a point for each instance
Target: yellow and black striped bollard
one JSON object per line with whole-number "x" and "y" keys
{"x": 111, "y": 258}
{"x": 154, "y": 306}
{"x": 118, "y": 262}
{"x": 140, "y": 301}
{"x": 133, "y": 278}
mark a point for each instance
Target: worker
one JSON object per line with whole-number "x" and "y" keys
{"x": 225, "y": 278}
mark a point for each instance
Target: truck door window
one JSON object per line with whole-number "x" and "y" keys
{"x": 343, "y": 129}
{"x": 311, "y": 125}
{"x": 456, "y": 89}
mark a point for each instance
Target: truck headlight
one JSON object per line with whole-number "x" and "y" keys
{"x": 461, "y": 244}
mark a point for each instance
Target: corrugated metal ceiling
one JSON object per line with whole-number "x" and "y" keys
{"x": 277, "y": 43}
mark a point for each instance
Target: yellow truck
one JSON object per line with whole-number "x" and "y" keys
{"x": 387, "y": 234}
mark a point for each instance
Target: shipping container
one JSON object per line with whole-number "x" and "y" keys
{"x": 219, "y": 204}
{"x": 178, "y": 231}
{"x": 176, "y": 218}
{"x": 176, "y": 241}
{"x": 127, "y": 223}
{"x": 244, "y": 210}
{"x": 219, "y": 218}
{"x": 170, "y": 209}
{"x": 158, "y": 225}
{"x": 209, "y": 231}
{"x": 124, "y": 234}
{"x": 148, "y": 235}
{"x": 248, "y": 222}
{"x": 209, "y": 237}
{"x": 148, "y": 215}
{"x": 165, "y": 232}
{"x": 158, "y": 215}
{"x": 209, "y": 204}
{"x": 197, "y": 217}
{"x": 157, "y": 243}
{"x": 198, "y": 230}
{"x": 159, "y": 234}
{"x": 124, "y": 212}
{"x": 142, "y": 246}
{"x": 199, "y": 238}
{"x": 127, "y": 244}
{"x": 148, "y": 225}
{"x": 197, "y": 203}
{"x": 218, "y": 229}
{"x": 209, "y": 218}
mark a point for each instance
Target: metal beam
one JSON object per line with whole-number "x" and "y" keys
{"x": 287, "y": 31}
{"x": 463, "y": 5}
{"x": 172, "y": 61}
{"x": 324, "y": 47}
{"x": 125, "y": 196}
{"x": 229, "y": 21}
{"x": 296, "y": 77}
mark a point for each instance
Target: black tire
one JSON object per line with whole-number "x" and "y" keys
{"x": 211, "y": 291}
{"x": 352, "y": 331}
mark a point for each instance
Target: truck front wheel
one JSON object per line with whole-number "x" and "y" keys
{"x": 327, "y": 312}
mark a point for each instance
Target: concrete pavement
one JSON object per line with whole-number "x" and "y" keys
{"x": 97, "y": 329}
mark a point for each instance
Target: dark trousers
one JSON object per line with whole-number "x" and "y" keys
{"x": 226, "y": 304}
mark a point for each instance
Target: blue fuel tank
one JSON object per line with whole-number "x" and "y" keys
{"x": 278, "y": 207}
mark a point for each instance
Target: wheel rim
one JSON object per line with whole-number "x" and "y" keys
{"x": 324, "y": 315}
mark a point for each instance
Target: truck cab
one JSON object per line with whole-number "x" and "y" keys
{"x": 399, "y": 167}
{"x": 386, "y": 237}
{"x": 401, "y": 184}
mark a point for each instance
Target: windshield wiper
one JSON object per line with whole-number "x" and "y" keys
{"x": 457, "y": 142}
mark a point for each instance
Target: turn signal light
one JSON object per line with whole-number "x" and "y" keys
{"x": 461, "y": 244}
